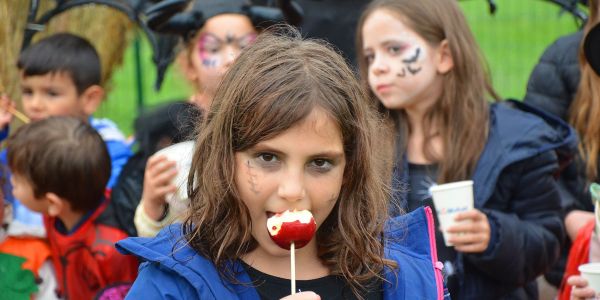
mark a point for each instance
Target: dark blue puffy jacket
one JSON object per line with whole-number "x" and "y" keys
{"x": 514, "y": 186}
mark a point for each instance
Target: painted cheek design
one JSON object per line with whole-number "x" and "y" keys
{"x": 208, "y": 51}
{"x": 409, "y": 64}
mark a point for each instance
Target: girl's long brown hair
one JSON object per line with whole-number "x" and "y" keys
{"x": 585, "y": 109}
{"x": 272, "y": 86}
{"x": 461, "y": 114}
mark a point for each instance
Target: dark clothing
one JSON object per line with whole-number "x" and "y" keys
{"x": 330, "y": 287}
{"x": 174, "y": 270}
{"x": 420, "y": 179}
{"x": 554, "y": 80}
{"x": 332, "y": 20}
{"x": 552, "y": 87}
{"x": 515, "y": 188}
{"x": 167, "y": 124}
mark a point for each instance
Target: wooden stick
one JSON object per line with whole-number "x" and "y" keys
{"x": 293, "y": 265}
{"x": 19, "y": 115}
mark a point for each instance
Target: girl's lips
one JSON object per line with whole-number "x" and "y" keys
{"x": 383, "y": 87}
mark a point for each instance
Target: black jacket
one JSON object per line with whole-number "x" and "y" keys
{"x": 551, "y": 88}
{"x": 554, "y": 80}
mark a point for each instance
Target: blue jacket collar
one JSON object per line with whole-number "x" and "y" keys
{"x": 406, "y": 243}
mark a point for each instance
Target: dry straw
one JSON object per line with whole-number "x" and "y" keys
{"x": 106, "y": 28}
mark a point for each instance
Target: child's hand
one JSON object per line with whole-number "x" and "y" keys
{"x": 302, "y": 296}
{"x": 158, "y": 182}
{"x": 580, "y": 288}
{"x": 5, "y": 114}
{"x": 471, "y": 233}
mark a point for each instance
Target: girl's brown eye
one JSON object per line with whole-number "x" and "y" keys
{"x": 267, "y": 157}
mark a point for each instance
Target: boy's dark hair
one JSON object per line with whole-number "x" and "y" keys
{"x": 64, "y": 156}
{"x": 63, "y": 52}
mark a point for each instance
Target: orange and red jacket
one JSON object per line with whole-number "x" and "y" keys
{"x": 86, "y": 260}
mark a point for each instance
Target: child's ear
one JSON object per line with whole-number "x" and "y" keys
{"x": 91, "y": 99}
{"x": 444, "y": 57}
{"x": 55, "y": 204}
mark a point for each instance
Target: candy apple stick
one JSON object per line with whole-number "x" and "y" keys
{"x": 291, "y": 230}
{"x": 293, "y": 266}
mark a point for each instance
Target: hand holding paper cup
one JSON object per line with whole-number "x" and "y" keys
{"x": 450, "y": 199}
{"x": 591, "y": 273}
{"x": 181, "y": 153}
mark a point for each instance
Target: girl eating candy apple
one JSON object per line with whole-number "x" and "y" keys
{"x": 289, "y": 129}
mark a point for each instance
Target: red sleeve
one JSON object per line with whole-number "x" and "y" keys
{"x": 116, "y": 267}
{"x": 579, "y": 254}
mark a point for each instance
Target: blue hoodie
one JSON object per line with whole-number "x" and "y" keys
{"x": 173, "y": 270}
{"x": 513, "y": 185}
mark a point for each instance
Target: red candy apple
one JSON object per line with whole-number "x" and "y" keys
{"x": 289, "y": 227}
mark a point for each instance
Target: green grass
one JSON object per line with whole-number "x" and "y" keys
{"x": 512, "y": 41}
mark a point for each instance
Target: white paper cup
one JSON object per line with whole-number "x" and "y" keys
{"x": 450, "y": 199}
{"x": 181, "y": 153}
{"x": 591, "y": 272}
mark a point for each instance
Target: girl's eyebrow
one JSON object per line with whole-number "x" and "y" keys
{"x": 230, "y": 38}
{"x": 260, "y": 147}
{"x": 329, "y": 154}
{"x": 207, "y": 35}
{"x": 388, "y": 42}
{"x": 394, "y": 41}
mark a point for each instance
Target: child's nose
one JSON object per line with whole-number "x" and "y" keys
{"x": 36, "y": 101}
{"x": 291, "y": 187}
{"x": 379, "y": 66}
{"x": 231, "y": 54}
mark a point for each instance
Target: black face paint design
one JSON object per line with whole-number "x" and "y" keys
{"x": 414, "y": 58}
{"x": 413, "y": 71}
{"x": 252, "y": 179}
{"x": 408, "y": 62}
{"x": 402, "y": 73}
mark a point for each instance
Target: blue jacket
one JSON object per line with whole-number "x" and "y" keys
{"x": 514, "y": 186}
{"x": 183, "y": 274}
